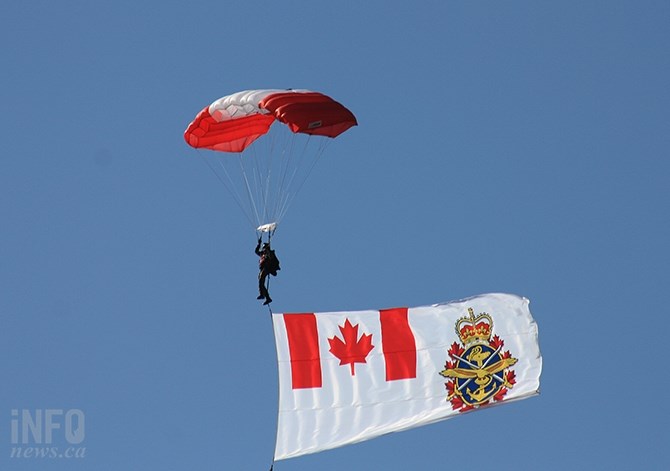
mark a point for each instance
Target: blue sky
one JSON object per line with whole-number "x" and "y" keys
{"x": 513, "y": 146}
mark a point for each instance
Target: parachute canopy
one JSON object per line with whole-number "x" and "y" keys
{"x": 234, "y": 122}
{"x": 265, "y": 177}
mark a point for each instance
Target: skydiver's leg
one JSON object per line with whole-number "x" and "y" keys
{"x": 264, "y": 284}
{"x": 262, "y": 290}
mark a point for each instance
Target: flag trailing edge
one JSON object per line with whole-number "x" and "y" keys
{"x": 346, "y": 377}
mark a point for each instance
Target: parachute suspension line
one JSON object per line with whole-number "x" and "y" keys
{"x": 268, "y": 158}
{"x": 286, "y": 195}
{"x": 229, "y": 186}
{"x": 238, "y": 197}
{"x": 320, "y": 151}
{"x": 285, "y": 151}
{"x": 257, "y": 173}
{"x": 264, "y": 179}
{"x": 274, "y": 147}
{"x": 252, "y": 202}
{"x": 282, "y": 202}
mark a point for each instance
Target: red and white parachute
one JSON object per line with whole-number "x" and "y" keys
{"x": 265, "y": 177}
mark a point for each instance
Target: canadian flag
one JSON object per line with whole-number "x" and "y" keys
{"x": 345, "y": 377}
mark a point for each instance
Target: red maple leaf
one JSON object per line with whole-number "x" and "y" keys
{"x": 511, "y": 377}
{"x": 465, "y": 408}
{"x": 450, "y": 365}
{"x": 456, "y": 403}
{"x": 456, "y": 349}
{"x": 499, "y": 396}
{"x": 352, "y": 349}
{"x": 497, "y": 342}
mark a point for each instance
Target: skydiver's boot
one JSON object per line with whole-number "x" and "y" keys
{"x": 260, "y": 296}
{"x": 267, "y": 301}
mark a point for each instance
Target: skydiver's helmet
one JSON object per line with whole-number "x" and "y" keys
{"x": 266, "y": 246}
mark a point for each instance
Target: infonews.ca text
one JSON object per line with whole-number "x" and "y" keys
{"x": 47, "y": 434}
{"x": 52, "y": 452}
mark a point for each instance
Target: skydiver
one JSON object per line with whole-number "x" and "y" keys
{"x": 268, "y": 264}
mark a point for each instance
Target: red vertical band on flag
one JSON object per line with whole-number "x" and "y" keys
{"x": 398, "y": 344}
{"x": 303, "y": 346}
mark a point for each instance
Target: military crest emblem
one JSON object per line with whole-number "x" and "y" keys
{"x": 478, "y": 370}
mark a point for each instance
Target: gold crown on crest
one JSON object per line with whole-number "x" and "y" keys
{"x": 474, "y": 329}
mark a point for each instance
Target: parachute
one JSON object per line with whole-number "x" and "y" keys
{"x": 266, "y": 143}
